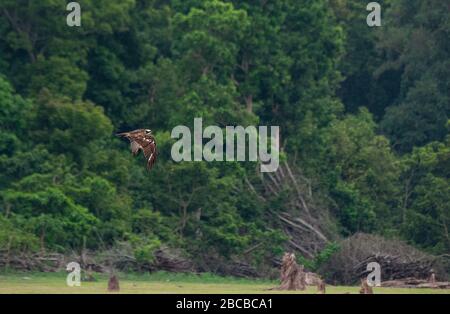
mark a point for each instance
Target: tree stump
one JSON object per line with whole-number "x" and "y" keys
{"x": 321, "y": 287}
{"x": 88, "y": 275}
{"x": 432, "y": 278}
{"x": 113, "y": 283}
{"x": 292, "y": 275}
{"x": 365, "y": 288}
{"x": 312, "y": 279}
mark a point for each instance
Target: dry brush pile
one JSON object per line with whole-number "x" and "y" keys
{"x": 295, "y": 209}
{"x": 397, "y": 260}
{"x": 119, "y": 258}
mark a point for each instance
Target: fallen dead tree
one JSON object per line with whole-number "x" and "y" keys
{"x": 117, "y": 258}
{"x": 121, "y": 257}
{"x": 396, "y": 266}
{"x": 238, "y": 269}
{"x": 171, "y": 260}
{"x": 397, "y": 260}
{"x": 304, "y": 221}
{"x": 416, "y": 283}
{"x": 45, "y": 262}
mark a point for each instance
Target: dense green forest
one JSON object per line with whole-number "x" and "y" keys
{"x": 363, "y": 115}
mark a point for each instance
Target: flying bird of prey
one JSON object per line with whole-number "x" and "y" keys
{"x": 142, "y": 139}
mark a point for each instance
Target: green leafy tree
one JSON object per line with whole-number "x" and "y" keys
{"x": 425, "y": 211}
{"x": 414, "y": 42}
{"x": 362, "y": 175}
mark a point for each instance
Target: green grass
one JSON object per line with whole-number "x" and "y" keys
{"x": 162, "y": 282}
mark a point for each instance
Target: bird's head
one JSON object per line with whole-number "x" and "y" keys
{"x": 148, "y": 131}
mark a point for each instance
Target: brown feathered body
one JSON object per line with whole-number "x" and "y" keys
{"x": 142, "y": 140}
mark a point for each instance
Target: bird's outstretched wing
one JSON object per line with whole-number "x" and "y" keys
{"x": 141, "y": 141}
{"x": 148, "y": 146}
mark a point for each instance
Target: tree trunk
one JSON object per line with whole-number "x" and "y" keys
{"x": 113, "y": 283}
{"x": 292, "y": 275}
{"x": 249, "y": 103}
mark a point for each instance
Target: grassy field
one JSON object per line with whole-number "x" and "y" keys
{"x": 49, "y": 283}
